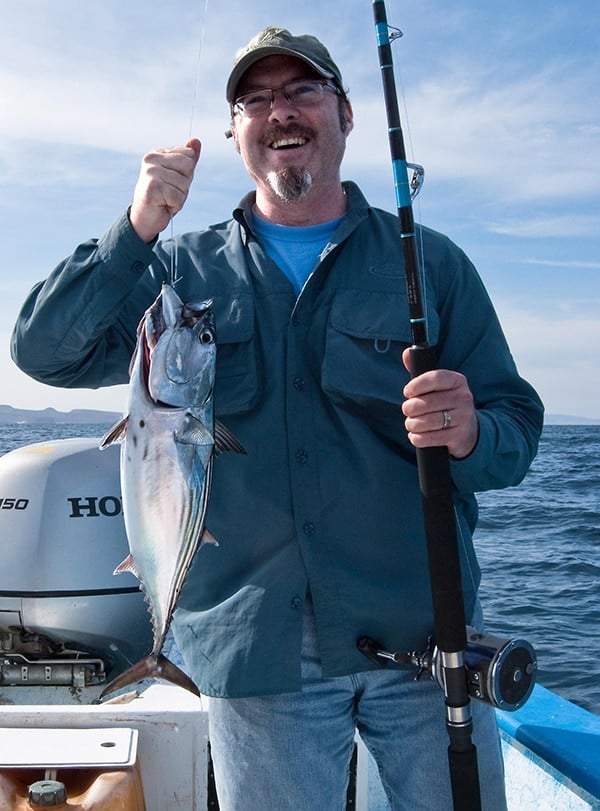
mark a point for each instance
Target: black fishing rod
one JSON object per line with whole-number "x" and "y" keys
{"x": 434, "y": 474}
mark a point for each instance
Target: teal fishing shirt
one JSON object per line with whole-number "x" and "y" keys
{"x": 327, "y": 499}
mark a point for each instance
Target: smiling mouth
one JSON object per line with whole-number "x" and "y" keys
{"x": 288, "y": 143}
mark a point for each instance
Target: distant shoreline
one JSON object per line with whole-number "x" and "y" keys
{"x": 86, "y": 416}
{"x": 566, "y": 419}
{"x": 81, "y": 416}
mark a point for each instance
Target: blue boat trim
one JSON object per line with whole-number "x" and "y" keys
{"x": 565, "y": 736}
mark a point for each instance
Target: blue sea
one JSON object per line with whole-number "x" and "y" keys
{"x": 539, "y": 549}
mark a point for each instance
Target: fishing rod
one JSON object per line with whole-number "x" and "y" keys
{"x": 434, "y": 473}
{"x": 464, "y": 663}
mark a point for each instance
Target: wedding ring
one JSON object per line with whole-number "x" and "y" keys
{"x": 447, "y": 419}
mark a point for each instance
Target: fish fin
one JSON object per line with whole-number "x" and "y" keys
{"x": 116, "y": 434}
{"x": 152, "y": 667}
{"x": 208, "y": 537}
{"x": 194, "y": 432}
{"x": 225, "y": 440}
{"x": 127, "y": 565}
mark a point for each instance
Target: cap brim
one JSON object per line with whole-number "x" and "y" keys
{"x": 260, "y": 53}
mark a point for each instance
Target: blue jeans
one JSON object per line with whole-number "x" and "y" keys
{"x": 292, "y": 751}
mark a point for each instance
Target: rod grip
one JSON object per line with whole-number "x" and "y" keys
{"x": 464, "y": 776}
{"x": 422, "y": 359}
{"x": 436, "y": 487}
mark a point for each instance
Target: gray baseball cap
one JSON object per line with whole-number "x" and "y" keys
{"x": 275, "y": 40}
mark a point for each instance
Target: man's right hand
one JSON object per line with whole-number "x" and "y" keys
{"x": 162, "y": 187}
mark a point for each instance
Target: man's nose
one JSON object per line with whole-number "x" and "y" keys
{"x": 281, "y": 107}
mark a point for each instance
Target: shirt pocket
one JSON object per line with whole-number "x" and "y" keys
{"x": 366, "y": 335}
{"x": 237, "y": 377}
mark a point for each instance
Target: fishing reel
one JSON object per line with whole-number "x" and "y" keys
{"x": 499, "y": 672}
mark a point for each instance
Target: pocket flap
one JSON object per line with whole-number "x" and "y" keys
{"x": 371, "y": 315}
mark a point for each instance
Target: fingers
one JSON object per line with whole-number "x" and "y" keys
{"x": 440, "y": 411}
{"x": 162, "y": 187}
{"x": 195, "y": 145}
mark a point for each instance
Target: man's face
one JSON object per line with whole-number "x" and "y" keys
{"x": 290, "y": 150}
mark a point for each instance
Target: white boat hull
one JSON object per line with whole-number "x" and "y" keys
{"x": 173, "y": 748}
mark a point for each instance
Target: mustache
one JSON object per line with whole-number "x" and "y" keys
{"x": 279, "y": 132}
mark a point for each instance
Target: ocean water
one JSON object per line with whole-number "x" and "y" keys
{"x": 539, "y": 549}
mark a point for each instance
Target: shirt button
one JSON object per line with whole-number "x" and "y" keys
{"x": 298, "y": 383}
{"x": 297, "y": 603}
{"x": 301, "y": 456}
{"x": 309, "y": 528}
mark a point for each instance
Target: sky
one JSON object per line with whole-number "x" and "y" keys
{"x": 500, "y": 102}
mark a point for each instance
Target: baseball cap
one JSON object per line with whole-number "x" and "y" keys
{"x": 275, "y": 40}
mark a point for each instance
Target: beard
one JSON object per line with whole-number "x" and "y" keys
{"x": 290, "y": 184}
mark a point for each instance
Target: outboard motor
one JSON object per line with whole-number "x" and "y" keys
{"x": 64, "y": 618}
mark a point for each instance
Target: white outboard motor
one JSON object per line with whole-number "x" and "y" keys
{"x": 65, "y": 619}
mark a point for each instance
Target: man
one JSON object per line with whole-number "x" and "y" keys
{"x": 320, "y": 525}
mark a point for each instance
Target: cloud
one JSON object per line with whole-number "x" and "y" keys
{"x": 108, "y": 76}
{"x": 558, "y": 351}
{"x": 569, "y": 263}
{"x": 130, "y": 87}
{"x": 527, "y": 139}
{"x": 565, "y": 225}
{"x": 570, "y": 328}
{"x": 499, "y": 104}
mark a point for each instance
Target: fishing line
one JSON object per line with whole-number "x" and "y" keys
{"x": 173, "y": 277}
{"x": 173, "y": 271}
{"x": 198, "y": 62}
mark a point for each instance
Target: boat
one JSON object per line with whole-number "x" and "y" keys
{"x": 67, "y": 627}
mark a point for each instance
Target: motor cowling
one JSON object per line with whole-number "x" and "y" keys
{"x": 61, "y": 536}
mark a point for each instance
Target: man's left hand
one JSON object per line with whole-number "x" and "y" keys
{"x": 439, "y": 410}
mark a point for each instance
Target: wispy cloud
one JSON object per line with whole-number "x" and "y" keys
{"x": 565, "y": 225}
{"x": 562, "y": 264}
{"x": 529, "y": 139}
{"x": 558, "y": 352}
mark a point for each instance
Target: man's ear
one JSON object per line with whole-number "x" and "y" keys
{"x": 349, "y": 116}
{"x": 231, "y": 133}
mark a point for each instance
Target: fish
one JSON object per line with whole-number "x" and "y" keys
{"x": 169, "y": 439}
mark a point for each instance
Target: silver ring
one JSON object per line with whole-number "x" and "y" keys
{"x": 447, "y": 419}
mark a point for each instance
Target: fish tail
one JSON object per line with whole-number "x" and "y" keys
{"x": 152, "y": 667}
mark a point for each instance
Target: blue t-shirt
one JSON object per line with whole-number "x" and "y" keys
{"x": 294, "y": 248}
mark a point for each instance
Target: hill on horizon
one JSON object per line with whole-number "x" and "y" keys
{"x": 87, "y": 415}
{"x": 51, "y": 415}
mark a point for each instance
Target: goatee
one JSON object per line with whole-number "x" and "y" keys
{"x": 290, "y": 184}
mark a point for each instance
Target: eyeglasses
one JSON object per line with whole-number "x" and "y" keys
{"x": 302, "y": 93}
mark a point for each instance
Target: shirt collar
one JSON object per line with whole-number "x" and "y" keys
{"x": 358, "y": 209}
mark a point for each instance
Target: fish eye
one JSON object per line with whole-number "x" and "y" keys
{"x": 206, "y": 337}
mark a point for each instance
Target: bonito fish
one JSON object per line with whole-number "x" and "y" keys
{"x": 169, "y": 442}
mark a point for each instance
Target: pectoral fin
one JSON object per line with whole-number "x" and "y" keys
{"x": 194, "y": 432}
{"x": 116, "y": 434}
